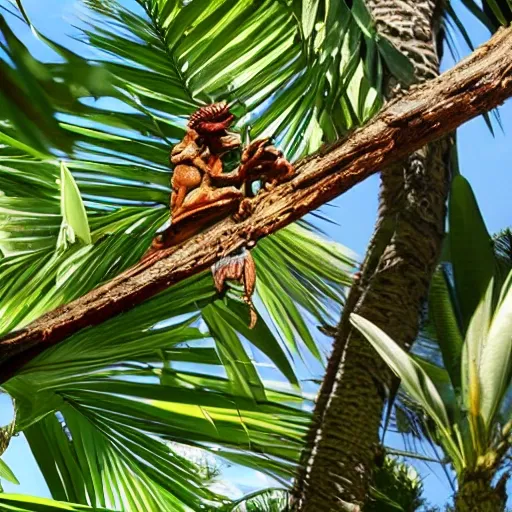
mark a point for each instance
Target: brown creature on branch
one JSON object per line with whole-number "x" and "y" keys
{"x": 202, "y": 193}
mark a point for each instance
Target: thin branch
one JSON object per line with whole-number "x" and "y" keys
{"x": 426, "y": 113}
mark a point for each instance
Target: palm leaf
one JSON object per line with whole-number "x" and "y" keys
{"x": 414, "y": 379}
{"x": 7, "y": 474}
{"x": 496, "y": 362}
{"x": 486, "y": 12}
{"x": 446, "y": 324}
{"x": 137, "y": 377}
{"x": 419, "y": 385}
{"x": 491, "y": 13}
{"x": 19, "y": 503}
{"x": 499, "y": 12}
{"x": 471, "y": 249}
{"x": 503, "y": 251}
{"x": 32, "y": 126}
{"x": 96, "y": 461}
{"x": 266, "y": 500}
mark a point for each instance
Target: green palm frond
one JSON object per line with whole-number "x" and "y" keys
{"x": 140, "y": 377}
{"x": 266, "y": 500}
{"x": 33, "y": 96}
{"x": 292, "y": 69}
{"x": 491, "y": 13}
{"x": 20, "y": 503}
{"x": 6, "y": 433}
{"x": 455, "y": 348}
{"x": 503, "y": 250}
{"x": 499, "y": 12}
{"x": 124, "y": 394}
{"x": 120, "y": 164}
{"x": 121, "y": 178}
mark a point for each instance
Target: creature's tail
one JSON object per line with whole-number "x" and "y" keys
{"x": 239, "y": 268}
{"x": 253, "y": 318}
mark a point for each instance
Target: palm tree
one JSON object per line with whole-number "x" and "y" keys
{"x": 395, "y": 277}
{"x": 465, "y": 391}
{"x": 85, "y": 185}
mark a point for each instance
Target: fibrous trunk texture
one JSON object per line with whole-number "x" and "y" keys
{"x": 394, "y": 281}
{"x": 477, "y": 494}
{"x": 475, "y": 86}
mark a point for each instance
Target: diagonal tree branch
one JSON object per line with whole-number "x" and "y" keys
{"x": 476, "y": 85}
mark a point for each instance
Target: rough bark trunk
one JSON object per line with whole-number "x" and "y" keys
{"x": 403, "y": 252}
{"x": 477, "y": 494}
{"x": 476, "y": 85}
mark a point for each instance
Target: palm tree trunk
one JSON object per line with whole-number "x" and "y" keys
{"x": 477, "y": 494}
{"x": 404, "y": 250}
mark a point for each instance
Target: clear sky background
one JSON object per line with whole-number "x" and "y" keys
{"x": 485, "y": 161}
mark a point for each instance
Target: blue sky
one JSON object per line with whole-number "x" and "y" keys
{"x": 484, "y": 160}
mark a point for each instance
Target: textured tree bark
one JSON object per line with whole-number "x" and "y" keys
{"x": 395, "y": 275}
{"x": 476, "y": 85}
{"x": 477, "y": 494}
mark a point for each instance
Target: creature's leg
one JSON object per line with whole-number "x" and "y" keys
{"x": 251, "y": 156}
{"x": 221, "y": 179}
{"x": 285, "y": 168}
{"x": 252, "y": 149}
{"x": 184, "y": 178}
{"x": 253, "y": 163}
{"x": 177, "y": 199}
{"x": 245, "y": 209}
{"x": 250, "y": 159}
{"x": 235, "y": 178}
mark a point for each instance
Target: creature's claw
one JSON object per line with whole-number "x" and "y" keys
{"x": 245, "y": 210}
{"x": 260, "y": 160}
{"x": 240, "y": 268}
{"x": 254, "y": 150}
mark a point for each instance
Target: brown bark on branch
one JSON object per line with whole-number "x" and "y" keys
{"x": 476, "y": 85}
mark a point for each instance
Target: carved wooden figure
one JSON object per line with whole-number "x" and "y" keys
{"x": 192, "y": 187}
{"x": 202, "y": 193}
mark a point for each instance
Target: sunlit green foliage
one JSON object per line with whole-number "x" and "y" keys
{"x": 466, "y": 396}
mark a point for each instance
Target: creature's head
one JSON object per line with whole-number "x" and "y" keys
{"x": 211, "y": 119}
